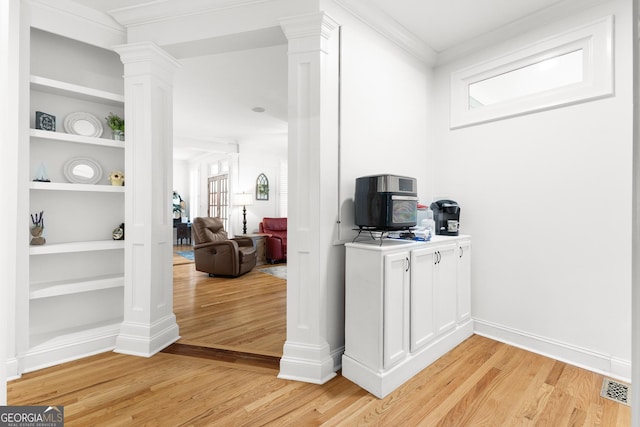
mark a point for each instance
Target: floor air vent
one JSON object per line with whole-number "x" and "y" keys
{"x": 616, "y": 391}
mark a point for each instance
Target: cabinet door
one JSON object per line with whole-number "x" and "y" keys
{"x": 422, "y": 315}
{"x": 445, "y": 287}
{"x": 396, "y": 308}
{"x": 464, "y": 280}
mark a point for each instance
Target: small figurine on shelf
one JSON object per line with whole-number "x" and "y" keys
{"x": 116, "y": 123}
{"x": 37, "y": 228}
{"x": 116, "y": 178}
{"x": 118, "y": 232}
{"x": 41, "y": 174}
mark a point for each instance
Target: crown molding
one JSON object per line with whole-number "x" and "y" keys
{"x": 76, "y": 21}
{"x": 165, "y": 10}
{"x": 515, "y": 29}
{"x": 309, "y": 25}
{"x": 389, "y": 28}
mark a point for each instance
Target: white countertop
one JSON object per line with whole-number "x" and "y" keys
{"x": 377, "y": 244}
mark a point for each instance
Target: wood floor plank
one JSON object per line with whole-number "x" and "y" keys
{"x": 514, "y": 387}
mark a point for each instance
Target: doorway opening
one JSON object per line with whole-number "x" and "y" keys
{"x": 222, "y": 143}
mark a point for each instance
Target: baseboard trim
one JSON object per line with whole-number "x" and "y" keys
{"x": 67, "y": 349}
{"x": 12, "y": 369}
{"x": 583, "y": 358}
{"x": 336, "y": 354}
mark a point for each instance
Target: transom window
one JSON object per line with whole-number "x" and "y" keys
{"x": 571, "y": 67}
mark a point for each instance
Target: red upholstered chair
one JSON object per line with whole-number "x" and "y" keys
{"x": 277, "y": 241}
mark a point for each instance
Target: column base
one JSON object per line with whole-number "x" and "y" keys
{"x": 309, "y": 363}
{"x": 138, "y": 339}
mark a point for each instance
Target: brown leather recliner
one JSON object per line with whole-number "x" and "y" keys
{"x": 218, "y": 255}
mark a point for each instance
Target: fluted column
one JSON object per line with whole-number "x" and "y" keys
{"x": 149, "y": 322}
{"x": 313, "y": 122}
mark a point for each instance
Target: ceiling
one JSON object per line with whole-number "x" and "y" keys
{"x": 214, "y": 94}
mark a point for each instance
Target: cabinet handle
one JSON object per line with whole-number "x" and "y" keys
{"x": 438, "y": 257}
{"x": 435, "y": 261}
{"x": 408, "y": 264}
{"x": 461, "y": 251}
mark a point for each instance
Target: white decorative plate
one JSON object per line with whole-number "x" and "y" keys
{"x": 82, "y": 170}
{"x": 84, "y": 124}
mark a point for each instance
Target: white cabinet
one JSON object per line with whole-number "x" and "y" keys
{"x": 463, "y": 277}
{"x": 444, "y": 279}
{"x": 423, "y": 321}
{"x": 405, "y": 306}
{"x": 395, "y": 325}
{"x": 76, "y": 279}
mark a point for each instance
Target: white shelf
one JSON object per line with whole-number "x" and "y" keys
{"x": 44, "y": 341}
{"x": 67, "y": 287}
{"x": 66, "y": 186}
{"x": 69, "y": 137}
{"x": 58, "y": 87}
{"x": 71, "y": 247}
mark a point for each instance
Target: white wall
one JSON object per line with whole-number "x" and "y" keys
{"x": 260, "y": 155}
{"x": 384, "y": 102}
{"x": 547, "y": 198}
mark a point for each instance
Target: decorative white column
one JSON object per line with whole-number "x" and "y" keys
{"x": 149, "y": 323}
{"x": 313, "y": 146}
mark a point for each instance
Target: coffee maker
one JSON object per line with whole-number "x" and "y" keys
{"x": 446, "y": 214}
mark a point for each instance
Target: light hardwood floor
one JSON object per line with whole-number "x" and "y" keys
{"x": 246, "y": 314}
{"x": 479, "y": 383}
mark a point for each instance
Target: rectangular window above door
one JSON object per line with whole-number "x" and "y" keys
{"x": 571, "y": 67}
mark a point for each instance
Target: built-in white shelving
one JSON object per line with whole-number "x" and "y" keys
{"x": 70, "y": 247}
{"x": 65, "y": 186}
{"x": 67, "y": 287}
{"x": 74, "y": 304}
{"x": 58, "y": 87}
{"x": 69, "y": 137}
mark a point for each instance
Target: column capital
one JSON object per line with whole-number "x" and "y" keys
{"x": 145, "y": 53}
{"x": 313, "y": 26}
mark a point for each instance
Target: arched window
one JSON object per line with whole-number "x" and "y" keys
{"x": 262, "y": 187}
